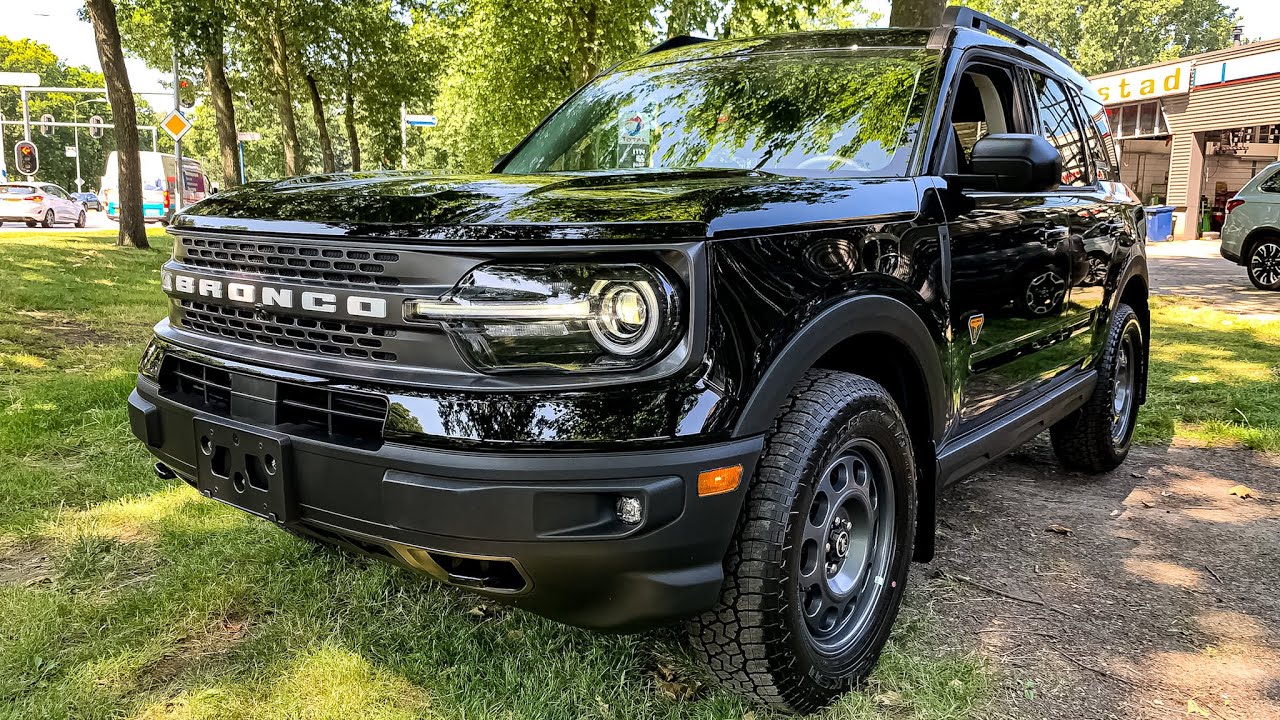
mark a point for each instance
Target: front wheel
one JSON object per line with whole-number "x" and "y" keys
{"x": 816, "y": 572}
{"x": 1096, "y": 437}
{"x": 1264, "y": 265}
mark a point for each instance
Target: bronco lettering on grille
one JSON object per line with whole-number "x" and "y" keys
{"x": 266, "y": 296}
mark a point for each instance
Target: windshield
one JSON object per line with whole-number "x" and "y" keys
{"x": 832, "y": 113}
{"x": 16, "y": 189}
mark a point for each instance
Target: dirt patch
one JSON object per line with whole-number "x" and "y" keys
{"x": 25, "y": 565}
{"x": 1155, "y": 596}
{"x": 217, "y": 638}
{"x": 52, "y": 330}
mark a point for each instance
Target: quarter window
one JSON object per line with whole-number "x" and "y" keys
{"x": 1059, "y": 125}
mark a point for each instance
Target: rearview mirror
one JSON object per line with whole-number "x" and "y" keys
{"x": 1012, "y": 162}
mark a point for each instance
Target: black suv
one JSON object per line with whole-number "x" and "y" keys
{"x": 706, "y": 345}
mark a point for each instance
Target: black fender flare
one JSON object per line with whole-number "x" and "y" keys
{"x": 851, "y": 317}
{"x": 861, "y": 315}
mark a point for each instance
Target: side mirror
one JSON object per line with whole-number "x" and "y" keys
{"x": 1013, "y": 162}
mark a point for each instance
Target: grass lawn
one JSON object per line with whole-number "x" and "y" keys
{"x": 125, "y": 596}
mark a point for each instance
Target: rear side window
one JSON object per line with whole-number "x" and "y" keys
{"x": 1101, "y": 145}
{"x": 1271, "y": 184}
{"x": 1059, "y": 125}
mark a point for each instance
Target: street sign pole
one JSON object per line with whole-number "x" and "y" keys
{"x": 75, "y": 117}
{"x": 177, "y": 142}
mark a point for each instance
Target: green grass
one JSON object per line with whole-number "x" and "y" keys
{"x": 1215, "y": 378}
{"x": 125, "y": 596}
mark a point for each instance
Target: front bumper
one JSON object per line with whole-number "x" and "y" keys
{"x": 536, "y": 529}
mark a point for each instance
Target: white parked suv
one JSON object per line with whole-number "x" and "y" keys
{"x": 1251, "y": 234}
{"x": 42, "y": 203}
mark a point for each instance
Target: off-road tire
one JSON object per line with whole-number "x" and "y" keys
{"x": 755, "y": 641}
{"x": 80, "y": 221}
{"x": 1083, "y": 440}
{"x": 1268, "y": 247}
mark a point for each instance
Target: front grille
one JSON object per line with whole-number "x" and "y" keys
{"x": 293, "y": 261}
{"x": 338, "y": 416}
{"x": 327, "y": 337}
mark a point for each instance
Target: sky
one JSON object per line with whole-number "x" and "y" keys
{"x": 56, "y": 23}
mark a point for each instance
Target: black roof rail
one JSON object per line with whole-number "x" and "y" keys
{"x": 960, "y": 16}
{"x": 678, "y": 41}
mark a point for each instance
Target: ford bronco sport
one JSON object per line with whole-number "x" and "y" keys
{"x": 705, "y": 346}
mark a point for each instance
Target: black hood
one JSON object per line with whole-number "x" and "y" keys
{"x": 590, "y": 206}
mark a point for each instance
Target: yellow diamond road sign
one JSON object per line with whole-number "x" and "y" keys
{"x": 176, "y": 124}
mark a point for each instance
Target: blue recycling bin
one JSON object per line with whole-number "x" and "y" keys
{"x": 1159, "y": 223}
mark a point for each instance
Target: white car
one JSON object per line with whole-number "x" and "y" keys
{"x": 1251, "y": 234}
{"x": 39, "y": 203}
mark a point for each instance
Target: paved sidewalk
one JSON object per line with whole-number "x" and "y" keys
{"x": 1194, "y": 268}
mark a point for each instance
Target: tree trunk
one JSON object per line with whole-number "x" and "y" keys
{"x": 349, "y": 119}
{"x": 133, "y": 231}
{"x": 916, "y": 13}
{"x": 279, "y": 50}
{"x": 322, "y": 127}
{"x": 224, "y": 111}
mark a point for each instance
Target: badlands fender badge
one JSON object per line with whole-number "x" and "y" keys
{"x": 975, "y": 327}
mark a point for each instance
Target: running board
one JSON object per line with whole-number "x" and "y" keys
{"x": 981, "y": 445}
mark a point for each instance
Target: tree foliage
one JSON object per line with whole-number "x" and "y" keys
{"x": 324, "y": 81}
{"x": 55, "y": 166}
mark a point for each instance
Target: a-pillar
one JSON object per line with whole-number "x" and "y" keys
{"x": 1186, "y": 178}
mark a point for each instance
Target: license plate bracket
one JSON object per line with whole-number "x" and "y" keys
{"x": 245, "y": 468}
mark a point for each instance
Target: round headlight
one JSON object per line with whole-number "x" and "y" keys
{"x": 628, "y": 319}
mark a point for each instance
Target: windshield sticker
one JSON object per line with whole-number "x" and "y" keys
{"x": 633, "y": 155}
{"x": 633, "y": 127}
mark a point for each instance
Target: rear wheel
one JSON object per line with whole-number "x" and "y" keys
{"x": 1096, "y": 437}
{"x": 48, "y": 219}
{"x": 31, "y": 223}
{"x": 1264, "y": 264}
{"x": 816, "y": 571}
{"x": 80, "y": 220}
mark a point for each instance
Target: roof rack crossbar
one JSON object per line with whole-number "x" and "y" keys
{"x": 678, "y": 41}
{"x": 959, "y": 16}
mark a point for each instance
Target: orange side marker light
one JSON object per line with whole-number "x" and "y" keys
{"x": 719, "y": 481}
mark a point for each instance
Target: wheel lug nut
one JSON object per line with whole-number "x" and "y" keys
{"x": 828, "y": 547}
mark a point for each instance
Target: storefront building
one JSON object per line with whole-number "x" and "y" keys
{"x": 1192, "y": 131}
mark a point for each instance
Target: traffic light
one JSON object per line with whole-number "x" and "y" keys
{"x": 46, "y": 129}
{"x": 26, "y": 157}
{"x": 95, "y": 126}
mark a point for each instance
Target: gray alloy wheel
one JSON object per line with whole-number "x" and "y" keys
{"x": 848, "y": 543}
{"x": 48, "y": 219}
{"x": 1264, "y": 265}
{"x": 80, "y": 221}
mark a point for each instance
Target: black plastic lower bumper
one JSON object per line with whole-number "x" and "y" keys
{"x": 538, "y": 530}
{"x": 1228, "y": 255}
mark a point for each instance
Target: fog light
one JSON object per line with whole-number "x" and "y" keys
{"x": 630, "y": 510}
